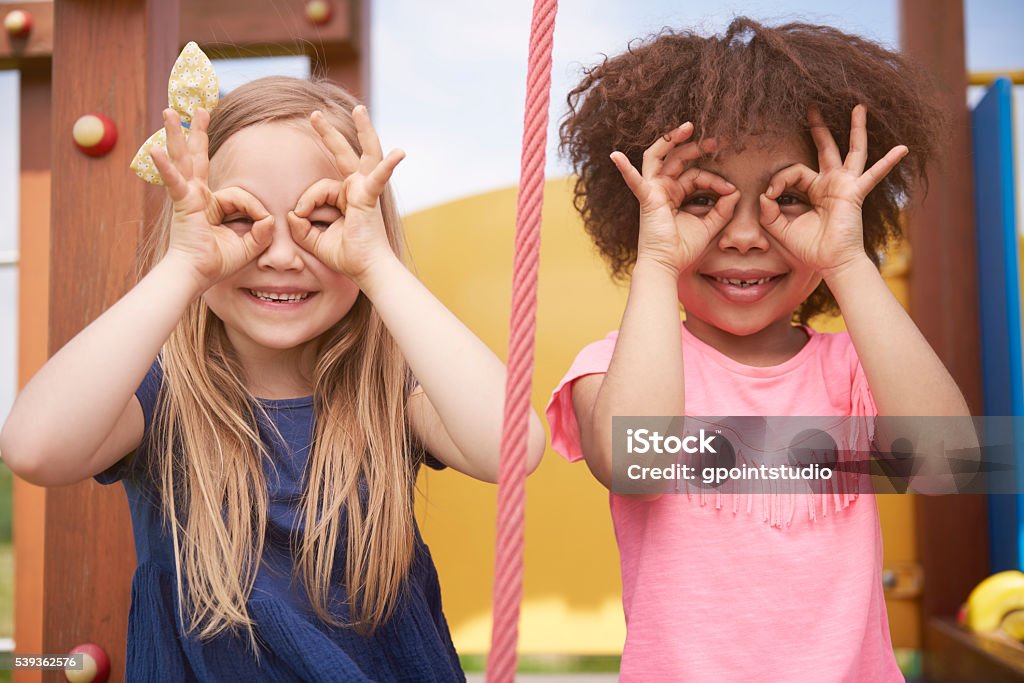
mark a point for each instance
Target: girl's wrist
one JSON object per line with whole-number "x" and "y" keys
{"x": 179, "y": 269}
{"x": 647, "y": 262}
{"x": 377, "y": 273}
{"x": 849, "y": 273}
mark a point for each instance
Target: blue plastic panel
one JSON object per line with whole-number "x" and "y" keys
{"x": 999, "y": 289}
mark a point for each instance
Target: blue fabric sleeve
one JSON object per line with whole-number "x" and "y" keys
{"x": 132, "y": 464}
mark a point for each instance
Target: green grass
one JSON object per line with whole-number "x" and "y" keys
{"x": 6, "y": 590}
{"x": 909, "y": 661}
{"x": 5, "y": 504}
{"x": 6, "y": 563}
{"x": 549, "y": 664}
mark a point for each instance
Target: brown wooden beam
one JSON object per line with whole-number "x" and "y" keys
{"x": 952, "y": 531}
{"x": 81, "y": 532}
{"x": 36, "y": 48}
{"x": 29, "y": 505}
{"x": 959, "y": 656}
{"x": 343, "y": 65}
{"x": 97, "y": 219}
{"x": 251, "y": 28}
{"x": 224, "y": 29}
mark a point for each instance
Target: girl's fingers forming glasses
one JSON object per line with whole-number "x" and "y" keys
{"x": 325, "y": 191}
{"x": 654, "y": 156}
{"x": 857, "y": 158}
{"x": 381, "y": 174}
{"x": 199, "y": 144}
{"x": 235, "y": 200}
{"x": 177, "y": 186}
{"x": 177, "y": 147}
{"x": 635, "y": 181}
{"x": 679, "y": 158}
{"x": 797, "y": 176}
{"x": 880, "y": 169}
{"x": 828, "y": 151}
{"x": 345, "y": 158}
{"x": 695, "y": 180}
{"x": 232, "y": 200}
{"x": 368, "y": 140}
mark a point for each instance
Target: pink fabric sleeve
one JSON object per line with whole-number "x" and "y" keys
{"x": 565, "y": 432}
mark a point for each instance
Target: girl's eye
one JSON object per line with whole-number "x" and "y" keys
{"x": 789, "y": 200}
{"x": 700, "y": 200}
{"x": 321, "y": 225}
{"x": 238, "y": 223}
{"x": 699, "y": 204}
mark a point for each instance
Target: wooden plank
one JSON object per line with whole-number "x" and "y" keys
{"x": 955, "y": 655}
{"x": 37, "y": 46}
{"x": 251, "y": 28}
{"x": 343, "y": 66}
{"x": 224, "y": 29}
{"x": 29, "y": 505}
{"x": 97, "y": 218}
{"x": 952, "y": 531}
{"x": 943, "y": 278}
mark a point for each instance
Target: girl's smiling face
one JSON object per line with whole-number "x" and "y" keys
{"x": 746, "y": 281}
{"x": 284, "y": 298}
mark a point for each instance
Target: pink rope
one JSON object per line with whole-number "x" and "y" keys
{"x": 508, "y": 564}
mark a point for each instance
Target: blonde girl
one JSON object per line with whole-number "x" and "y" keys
{"x": 276, "y": 379}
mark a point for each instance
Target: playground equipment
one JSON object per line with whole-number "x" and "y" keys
{"x": 58, "y": 87}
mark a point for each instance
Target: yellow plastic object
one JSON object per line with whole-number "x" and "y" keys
{"x": 993, "y": 599}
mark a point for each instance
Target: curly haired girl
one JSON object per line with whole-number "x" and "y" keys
{"x": 762, "y": 181}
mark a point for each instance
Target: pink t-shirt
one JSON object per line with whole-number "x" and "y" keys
{"x": 769, "y": 587}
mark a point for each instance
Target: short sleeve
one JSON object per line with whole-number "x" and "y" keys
{"x": 130, "y": 465}
{"x": 862, "y": 401}
{"x": 565, "y": 431}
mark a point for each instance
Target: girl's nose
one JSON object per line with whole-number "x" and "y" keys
{"x": 283, "y": 253}
{"x": 744, "y": 231}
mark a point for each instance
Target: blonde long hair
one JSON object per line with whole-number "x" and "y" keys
{"x": 209, "y": 464}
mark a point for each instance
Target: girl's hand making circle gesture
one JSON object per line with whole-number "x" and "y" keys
{"x": 669, "y": 234}
{"x": 199, "y": 233}
{"x": 831, "y": 235}
{"x": 352, "y": 243}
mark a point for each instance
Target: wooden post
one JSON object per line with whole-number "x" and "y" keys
{"x": 952, "y": 531}
{"x": 33, "y": 297}
{"x": 74, "y": 556}
{"x": 340, "y": 62}
{"x": 105, "y": 60}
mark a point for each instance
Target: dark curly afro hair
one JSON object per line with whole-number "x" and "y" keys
{"x": 753, "y": 79}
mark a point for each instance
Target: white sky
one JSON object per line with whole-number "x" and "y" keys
{"x": 451, "y": 95}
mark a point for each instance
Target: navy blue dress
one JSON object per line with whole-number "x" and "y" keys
{"x": 413, "y": 645}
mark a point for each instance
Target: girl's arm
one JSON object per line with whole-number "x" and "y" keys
{"x": 907, "y": 379}
{"x": 645, "y": 376}
{"x": 457, "y": 410}
{"x": 905, "y": 375}
{"x": 79, "y": 415}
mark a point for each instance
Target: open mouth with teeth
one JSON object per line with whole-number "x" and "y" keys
{"x": 278, "y": 297}
{"x": 744, "y": 287}
{"x": 744, "y": 283}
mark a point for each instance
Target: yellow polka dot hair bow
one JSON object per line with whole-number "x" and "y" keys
{"x": 193, "y": 84}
